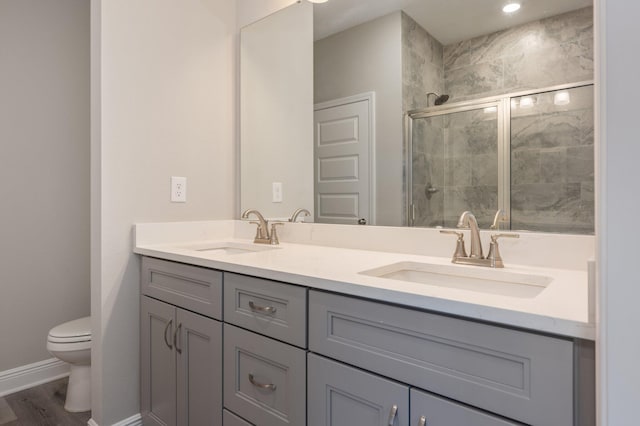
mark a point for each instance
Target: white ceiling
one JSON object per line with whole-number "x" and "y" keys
{"x": 449, "y": 21}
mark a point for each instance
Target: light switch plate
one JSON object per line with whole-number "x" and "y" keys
{"x": 277, "y": 192}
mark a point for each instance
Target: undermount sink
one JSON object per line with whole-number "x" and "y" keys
{"x": 229, "y": 247}
{"x": 482, "y": 280}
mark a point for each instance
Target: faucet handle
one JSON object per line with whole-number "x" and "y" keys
{"x": 494, "y": 252}
{"x": 273, "y": 238}
{"x": 460, "y": 249}
{"x": 501, "y": 216}
{"x": 260, "y": 231}
{"x": 494, "y": 237}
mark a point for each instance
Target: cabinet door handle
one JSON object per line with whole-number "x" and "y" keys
{"x": 166, "y": 341}
{"x": 269, "y": 386}
{"x": 423, "y": 421}
{"x": 262, "y": 309}
{"x": 392, "y": 415}
{"x": 175, "y": 338}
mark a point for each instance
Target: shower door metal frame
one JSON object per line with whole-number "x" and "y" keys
{"x": 503, "y": 104}
{"x": 503, "y": 169}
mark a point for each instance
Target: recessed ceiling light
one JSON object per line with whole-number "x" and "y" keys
{"x": 318, "y": 1}
{"x": 511, "y": 7}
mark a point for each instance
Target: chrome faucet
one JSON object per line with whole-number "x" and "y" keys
{"x": 468, "y": 221}
{"x": 263, "y": 236}
{"x": 493, "y": 259}
{"x": 298, "y": 212}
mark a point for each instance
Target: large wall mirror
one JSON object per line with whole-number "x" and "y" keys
{"x": 408, "y": 112}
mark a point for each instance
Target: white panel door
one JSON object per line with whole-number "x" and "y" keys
{"x": 341, "y": 163}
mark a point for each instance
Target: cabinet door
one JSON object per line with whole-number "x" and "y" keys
{"x": 430, "y": 410}
{"x": 339, "y": 395}
{"x": 198, "y": 347}
{"x": 157, "y": 362}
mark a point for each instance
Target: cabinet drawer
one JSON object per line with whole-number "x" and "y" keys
{"x": 263, "y": 379}
{"x": 230, "y": 419}
{"x": 340, "y": 395}
{"x": 190, "y": 287}
{"x": 441, "y": 412}
{"x": 267, "y": 307}
{"x": 524, "y": 376}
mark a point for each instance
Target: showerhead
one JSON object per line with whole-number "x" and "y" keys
{"x": 440, "y": 99}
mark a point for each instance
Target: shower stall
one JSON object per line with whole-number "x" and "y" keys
{"x": 527, "y": 153}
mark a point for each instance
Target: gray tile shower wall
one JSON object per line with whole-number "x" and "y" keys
{"x": 552, "y": 164}
{"x": 422, "y": 72}
{"x": 422, "y": 64}
{"x": 542, "y": 53}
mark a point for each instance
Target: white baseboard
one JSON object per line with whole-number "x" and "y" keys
{"x": 135, "y": 420}
{"x": 28, "y": 376}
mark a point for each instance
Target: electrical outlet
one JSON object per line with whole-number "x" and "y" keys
{"x": 276, "y": 192}
{"x": 178, "y": 189}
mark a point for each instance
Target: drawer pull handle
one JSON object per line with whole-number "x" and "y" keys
{"x": 166, "y": 341}
{"x": 423, "y": 421}
{"x": 392, "y": 415}
{"x": 175, "y": 338}
{"x": 262, "y": 309}
{"x": 270, "y": 386}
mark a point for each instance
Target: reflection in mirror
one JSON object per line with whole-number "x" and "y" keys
{"x": 276, "y": 121}
{"x": 394, "y": 57}
{"x": 460, "y": 159}
{"x": 454, "y": 164}
{"x": 552, "y": 163}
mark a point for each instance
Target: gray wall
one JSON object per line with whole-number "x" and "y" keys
{"x": 362, "y": 59}
{"x": 44, "y": 173}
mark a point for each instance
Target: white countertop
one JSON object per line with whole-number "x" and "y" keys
{"x": 562, "y": 308}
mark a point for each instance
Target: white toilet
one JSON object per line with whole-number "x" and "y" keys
{"x": 71, "y": 342}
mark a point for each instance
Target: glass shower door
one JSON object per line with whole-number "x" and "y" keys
{"x": 455, "y": 165}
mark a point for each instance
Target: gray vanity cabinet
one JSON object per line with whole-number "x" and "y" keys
{"x": 180, "y": 350}
{"x": 181, "y": 363}
{"x": 294, "y": 356}
{"x": 340, "y": 395}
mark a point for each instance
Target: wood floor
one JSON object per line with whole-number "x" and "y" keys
{"x": 40, "y": 406}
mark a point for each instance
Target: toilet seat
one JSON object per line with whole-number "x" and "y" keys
{"x": 70, "y": 336}
{"x": 68, "y": 347}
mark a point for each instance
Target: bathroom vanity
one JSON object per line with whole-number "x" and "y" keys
{"x": 300, "y": 347}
